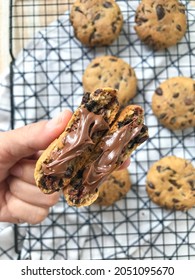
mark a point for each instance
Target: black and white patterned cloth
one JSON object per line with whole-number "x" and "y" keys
{"x": 45, "y": 78}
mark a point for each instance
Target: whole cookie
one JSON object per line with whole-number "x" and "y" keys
{"x": 173, "y": 103}
{"x": 170, "y": 183}
{"x": 96, "y": 22}
{"x": 114, "y": 188}
{"x": 111, "y": 71}
{"x": 161, "y": 23}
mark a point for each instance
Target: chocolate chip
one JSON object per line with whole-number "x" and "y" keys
{"x": 159, "y": 167}
{"x": 182, "y": 11}
{"x": 85, "y": 97}
{"x": 159, "y": 91}
{"x": 173, "y": 120}
{"x": 107, "y": 5}
{"x": 144, "y": 129}
{"x": 92, "y": 35}
{"x": 90, "y": 106}
{"x": 160, "y": 11}
{"x": 170, "y": 189}
{"x": 178, "y": 27}
{"x": 114, "y": 27}
{"x": 140, "y": 20}
{"x": 157, "y": 193}
{"x": 175, "y": 95}
{"x": 68, "y": 172}
{"x": 98, "y": 91}
{"x": 175, "y": 200}
{"x": 116, "y": 86}
{"x": 95, "y": 65}
{"x": 77, "y": 9}
{"x": 97, "y": 17}
{"x": 174, "y": 182}
{"x": 151, "y": 185}
{"x": 162, "y": 116}
{"x": 192, "y": 185}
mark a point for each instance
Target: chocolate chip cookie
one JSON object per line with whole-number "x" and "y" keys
{"x": 114, "y": 188}
{"x": 96, "y": 22}
{"x": 66, "y": 155}
{"x": 97, "y": 140}
{"x": 114, "y": 72}
{"x": 173, "y": 103}
{"x": 161, "y": 23}
{"x": 170, "y": 183}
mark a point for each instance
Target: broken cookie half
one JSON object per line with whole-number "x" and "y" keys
{"x": 96, "y": 141}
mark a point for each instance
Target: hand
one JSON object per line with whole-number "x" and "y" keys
{"x": 20, "y": 200}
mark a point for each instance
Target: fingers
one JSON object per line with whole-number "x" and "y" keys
{"x": 20, "y": 211}
{"x": 26, "y": 203}
{"x": 25, "y": 141}
{"x": 31, "y": 194}
{"x": 24, "y": 170}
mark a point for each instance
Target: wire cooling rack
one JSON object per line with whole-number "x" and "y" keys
{"x": 46, "y": 77}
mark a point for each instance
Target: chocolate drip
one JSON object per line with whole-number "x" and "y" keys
{"x": 112, "y": 147}
{"x": 75, "y": 142}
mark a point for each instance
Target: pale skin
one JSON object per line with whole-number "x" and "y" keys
{"x": 20, "y": 200}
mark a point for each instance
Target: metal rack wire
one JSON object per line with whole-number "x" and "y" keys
{"x": 46, "y": 77}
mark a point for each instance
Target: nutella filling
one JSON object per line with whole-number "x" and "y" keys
{"x": 75, "y": 142}
{"x": 112, "y": 147}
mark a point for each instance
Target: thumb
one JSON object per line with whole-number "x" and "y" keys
{"x": 25, "y": 141}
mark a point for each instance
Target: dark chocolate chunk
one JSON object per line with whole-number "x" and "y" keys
{"x": 159, "y": 167}
{"x": 77, "y": 9}
{"x": 173, "y": 120}
{"x": 162, "y": 116}
{"x": 114, "y": 27}
{"x": 157, "y": 193}
{"x": 98, "y": 16}
{"x": 98, "y": 91}
{"x": 159, "y": 91}
{"x": 170, "y": 189}
{"x": 174, "y": 182}
{"x": 175, "y": 95}
{"x": 151, "y": 185}
{"x": 175, "y": 200}
{"x": 192, "y": 184}
{"x": 92, "y": 35}
{"x": 85, "y": 97}
{"x": 90, "y": 106}
{"x": 178, "y": 27}
{"x": 95, "y": 65}
{"x": 68, "y": 172}
{"x": 116, "y": 86}
{"x": 160, "y": 11}
{"x": 107, "y": 5}
{"x": 142, "y": 139}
